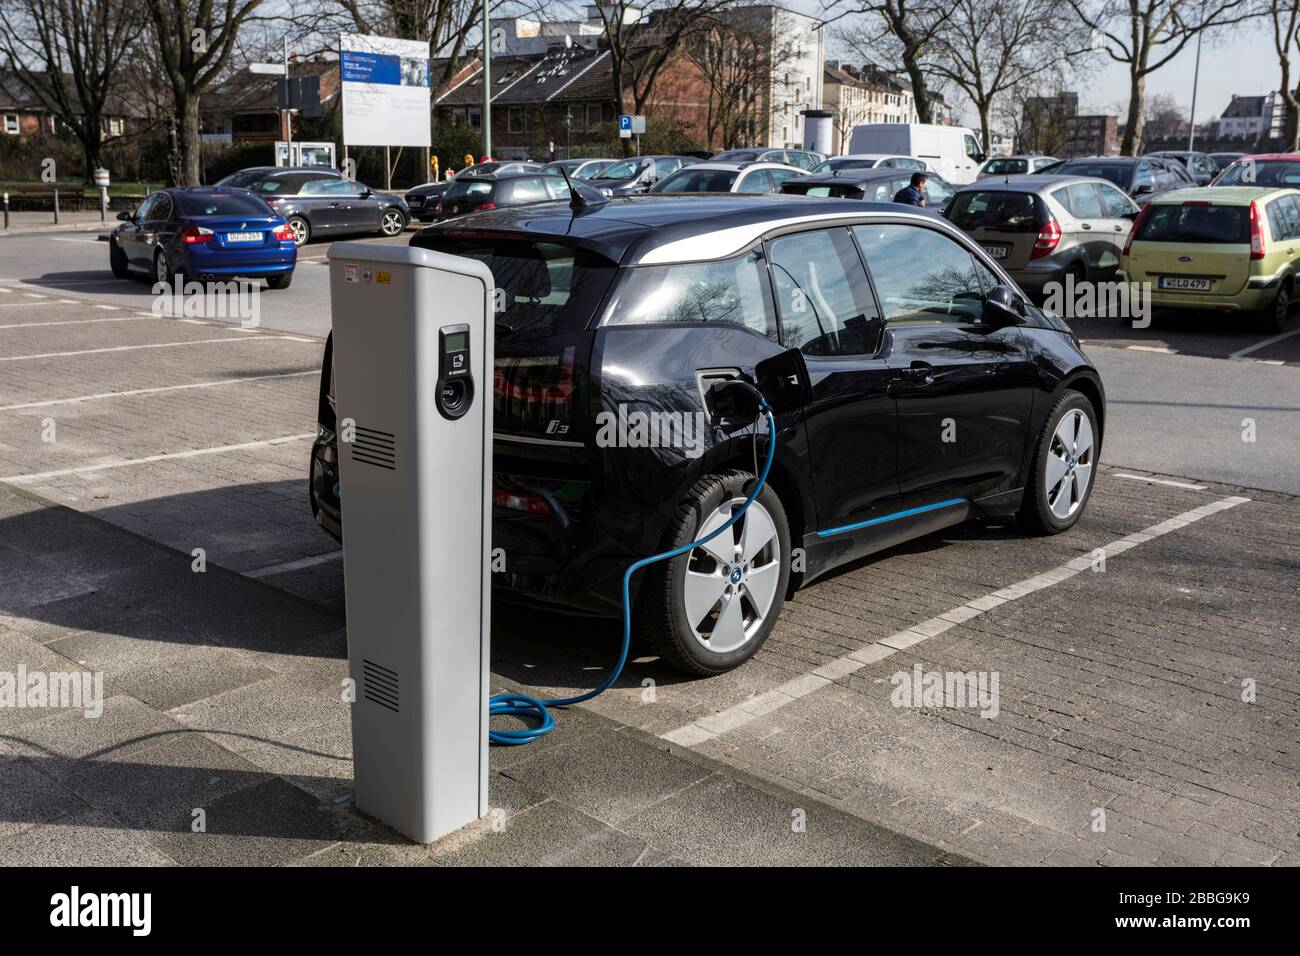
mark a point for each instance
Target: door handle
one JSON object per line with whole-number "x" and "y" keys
{"x": 1119, "y": 228}
{"x": 1086, "y": 225}
{"x": 920, "y": 373}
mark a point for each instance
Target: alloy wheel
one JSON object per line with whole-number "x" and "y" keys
{"x": 392, "y": 223}
{"x": 299, "y": 231}
{"x": 731, "y": 581}
{"x": 1069, "y": 463}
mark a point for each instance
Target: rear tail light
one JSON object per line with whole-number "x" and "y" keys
{"x": 1256, "y": 233}
{"x": 518, "y": 501}
{"x": 196, "y": 235}
{"x": 488, "y": 205}
{"x": 1048, "y": 239}
{"x": 536, "y": 393}
{"x": 283, "y": 231}
{"x": 1137, "y": 224}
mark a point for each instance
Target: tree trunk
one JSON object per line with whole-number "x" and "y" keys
{"x": 189, "y": 142}
{"x": 986, "y": 126}
{"x": 1133, "y": 131}
{"x": 920, "y": 92}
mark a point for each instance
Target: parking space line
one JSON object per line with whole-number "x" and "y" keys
{"x": 39, "y": 325}
{"x": 151, "y": 345}
{"x": 285, "y": 566}
{"x": 1160, "y": 481}
{"x": 1242, "y": 353}
{"x": 714, "y": 725}
{"x": 215, "y": 383}
{"x": 171, "y": 456}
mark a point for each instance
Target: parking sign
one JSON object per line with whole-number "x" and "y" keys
{"x": 625, "y": 127}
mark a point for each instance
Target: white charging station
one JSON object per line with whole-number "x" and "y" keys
{"x": 413, "y": 381}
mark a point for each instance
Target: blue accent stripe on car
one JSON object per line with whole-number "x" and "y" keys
{"x": 894, "y": 517}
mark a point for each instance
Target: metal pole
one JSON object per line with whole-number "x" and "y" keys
{"x": 56, "y": 207}
{"x": 487, "y": 81}
{"x": 6, "y": 210}
{"x": 1196, "y": 77}
{"x": 288, "y": 101}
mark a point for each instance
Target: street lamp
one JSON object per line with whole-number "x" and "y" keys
{"x": 487, "y": 82}
{"x": 1196, "y": 77}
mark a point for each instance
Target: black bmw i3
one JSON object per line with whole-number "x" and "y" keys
{"x": 939, "y": 393}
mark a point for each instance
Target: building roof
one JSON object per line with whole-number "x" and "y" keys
{"x": 1245, "y": 106}
{"x": 245, "y": 92}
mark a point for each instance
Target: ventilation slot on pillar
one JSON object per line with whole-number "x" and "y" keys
{"x": 379, "y": 685}
{"x": 373, "y": 447}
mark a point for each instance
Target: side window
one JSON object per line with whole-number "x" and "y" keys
{"x": 162, "y": 208}
{"x": 733, "y": 291}
{"x": 971, "y": 146}
{"x": 921, "y": 276}
{"x": 145, "y": 208}
{"x": 559, "y": 188}
{"x": 1143, "y": 177}
{"x": 937, "y": 192}
{"x": 1117, "y": 205}
{"x": 1277, "y": 219}
{"x": 531, "y": 189}
{"x": 754, "y": 182}
{"x": 779, "y": 176}
{"x": 1062, "y": 196}
{"x": 1084, "y": 202}
{"x": 1290, "y": 217}
{"x": 822, "y": 294}
{"x": 665, "y": 166}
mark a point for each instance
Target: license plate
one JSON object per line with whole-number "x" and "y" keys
{"x": 998, "y": 252}
{"x": 1184, "y": 283}
{"x": 243, "y": 237}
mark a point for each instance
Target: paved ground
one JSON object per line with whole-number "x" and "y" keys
{"x": 1120, "y": 691}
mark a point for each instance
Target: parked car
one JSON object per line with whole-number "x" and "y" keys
{"x": 799, "y": 158}
{"x": 952, "y": 151}
{"x": 269, "y": 181}
{"x": 498, "y": 190}
{"x": 636, "y": 175}
{"x": 203, "y": 233}
{"x": 1176, "y": 168}
{"x": 1263, "y": 169}
{"x": 1224, "y": 160}
{"x": 1201, "y": 166}
{"x": 331, "y": 207}
{"x": 639, "y": 305}
{"x": 871, "y": 161}
{"x": 1043, "y": 229}
{"x": 1142, "y": 177}
{"x": 422, "y": 200}
{"x": 878, "y": 184}
{"x": 579, "y": 168}
{"x": 716, "y": 177}
{"x": 1230, "y": 249}
{"x": 1015, "y": 165}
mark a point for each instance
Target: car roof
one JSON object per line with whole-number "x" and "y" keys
{"x": 667, "y": 227}
{"x": 1029, "y": 182}
{"x": 1221, "y": 195}
{"x": 1293, "y": 157}
{"x": 865, "y": 174}
{"x": 1101, "y": 159}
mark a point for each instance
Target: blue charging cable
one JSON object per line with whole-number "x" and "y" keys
{"x": 522, "y": 705}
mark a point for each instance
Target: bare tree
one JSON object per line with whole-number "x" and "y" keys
{"x": 1163, "y": 118}
{"x": 68, "y": 54}
{"x": 1284, "y": 17}
{"x": 1144, "y": 35}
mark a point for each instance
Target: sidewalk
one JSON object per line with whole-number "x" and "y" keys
{"x": 223, "y": 739}
{"x": 25, "y": 223}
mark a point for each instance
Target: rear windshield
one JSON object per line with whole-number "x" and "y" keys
{"x": 828, "y": 190}
{"x": 831, "y": 165}
{"x": 1277, "y": 172}
{"x": 469, "y": 189}
{"x": 997, "y": 209}
{"x": 1007, "y": 166}
{"x": 1199, "y": 223}
{"x": 1117, "y": 173}
{"x": 544, "y": 288}
{"x": 698, "y": 181}
{"x": 240, "y": 179}
{"x": 229, "y": 204}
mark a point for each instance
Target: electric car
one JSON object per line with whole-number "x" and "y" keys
{"x": 936, "y": 392}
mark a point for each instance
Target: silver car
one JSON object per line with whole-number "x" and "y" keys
{"x": 1043, "y": 228}
{"x": 1014, "y": 165}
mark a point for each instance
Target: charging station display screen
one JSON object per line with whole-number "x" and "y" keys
{"x": 455, "y": 342}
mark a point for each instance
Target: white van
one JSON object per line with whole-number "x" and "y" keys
{"x": 953, "y": 151}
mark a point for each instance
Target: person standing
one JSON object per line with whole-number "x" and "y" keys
{"x": 912, "y": 194}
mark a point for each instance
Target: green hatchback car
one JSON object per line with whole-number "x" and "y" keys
{"x": 1231, "y": 249}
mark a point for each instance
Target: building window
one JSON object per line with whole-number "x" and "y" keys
{"x": 515, "y": 119}
{"x": 593, "y": 114}
{"x": 475, "y": 118}
{"x": 11, "y": 124}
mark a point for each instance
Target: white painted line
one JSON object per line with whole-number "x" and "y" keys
{"x": 273, "y": 569}
{"x": 1242, "y": 353}
{"x": 75, "y": 400}
{"x": 1160, "y": 481}
{"x": 23, "y": 305}
{"x": 58, "y": 239}
{"x": 1152, "y": 348}
{"x": 33, "y": 295}
{"x": 714, "y": 725}
{"x": 152, "y": 345}
{"x": 37, "y": 325}
{"x": 107, "y": 308}
{"x": 172, "y": 456}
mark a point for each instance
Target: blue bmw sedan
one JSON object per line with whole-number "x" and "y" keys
{"x": 203, "y": 233}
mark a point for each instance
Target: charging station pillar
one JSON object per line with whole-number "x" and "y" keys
{"x": 413, "y": 391}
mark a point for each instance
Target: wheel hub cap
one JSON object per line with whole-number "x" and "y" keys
{"x": 731, "y": 581}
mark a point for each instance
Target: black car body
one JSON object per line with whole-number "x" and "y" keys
{"x": 1142, "y": 177}
{"x": 422, "y": 200}
{"x": 637, "y": 306}
{"x": 875, "y": 184}
{"x": 267, "y": 181}
{"x": 1200, "y": 166}
{"x": 333, "y": 207}
{"x": 501, "y": 190}
{"x": 630, "y": 177}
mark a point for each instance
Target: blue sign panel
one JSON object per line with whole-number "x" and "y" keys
{"x": 625, "y": 122}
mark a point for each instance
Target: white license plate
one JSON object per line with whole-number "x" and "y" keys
{"x": 1184, "y": 284}
{"x": 243, "y": 237}
{"x": 997, "y": 252}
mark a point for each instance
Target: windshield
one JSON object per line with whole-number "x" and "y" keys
{"x": 240, "y": 179}
{"x": 832, "y": 165}
{"x": 1196, "y": 222}
{"x": 1268, "y": 172}
{"x": 228, "y": 204}
{"x": 995, "y": 209}
{"x": 1117, "y": 173}
{"x": 624, "y": 170}
{"x": 1007, "y": 166}
{"x": 592, "y": 170}
{"x": 697, "y": 181}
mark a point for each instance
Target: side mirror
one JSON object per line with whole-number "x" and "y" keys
{"x": 1144, "y": 188}
{"x": 367, "y": 192}
{"x": 979, "y": 157}
{"x": 1004, "y": 306}
{"x": 126, "y": 216}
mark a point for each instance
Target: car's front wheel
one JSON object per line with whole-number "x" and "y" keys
{"x": 1065, "y": 461}
{"x": 392, "y": 222}
{"x": 710, "y": 609}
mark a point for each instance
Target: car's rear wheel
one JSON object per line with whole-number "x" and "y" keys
{"x": 282, "y": 281}
{"x": 164, "y": 270}
{"x": 710, "y": 609}
{"x": 301, "y": 230}
{"x": 1273, "y": 318}
{"x": 117, "y": 260}
{"x": 1065, "y": 461}
{"x": 392, "y": 222}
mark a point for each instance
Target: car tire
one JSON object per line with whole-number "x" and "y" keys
{"x": 117, "y": 260}
{"x": 163, "y": 270}
{"x": 747, "y": 607}
{"x": 392, "y": 222}
{"x": 1274, "y": 317}
{"x": 282, "y": 281}
{"x": 1063, "y": 471}
{"x": 301, "y": 230}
